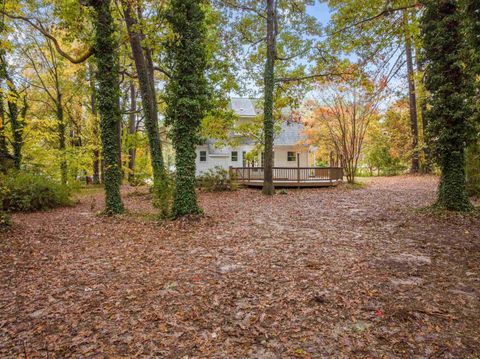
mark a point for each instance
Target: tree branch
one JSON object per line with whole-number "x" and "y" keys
{"x": 310, "y": 77}
{"x": 242, "y": 7}
{"x": 36, "y": 24}
{"x": 385, "y": 12}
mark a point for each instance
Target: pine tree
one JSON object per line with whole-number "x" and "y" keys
{"x": 187, "y": 95}
{"x": 448, "y": 86}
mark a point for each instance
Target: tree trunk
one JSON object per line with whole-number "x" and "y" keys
{"x": 144, "y": 69}
{"x": 132, "y": 129}
{"x": 188, "y": 96}
{"x": 107, "y": 76}
{"x": 61, "y": 140}
{"x": 448, "y": 115}
{"x": 97, "y": 179}
{"x": 269, "y": 87}
{"x": 428, "y": 166}
{"x": 411, "y": 96}
{"x": 16, "y": 123}
{"x": 5, "y": 157}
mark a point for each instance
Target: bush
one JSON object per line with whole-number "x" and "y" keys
{"x": 5, "y": 221}
{"x": 216, "y": 180}
{"x": 473, "y": 169}
{"x": 26, "y": 192}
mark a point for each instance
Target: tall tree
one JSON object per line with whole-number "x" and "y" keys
{"x": 97, "y": 178}
{"x": 187, "y": 95}
{"x": 144, "y": 66}
{"x": 269, "y": 88}
{"x": 382, "y": 34}
{"x": 448, "y": 86}
{"x": 132, "y": 129}
{"x": 412, "y": 95}
{"x": 16, "y": 115}
{"x": 4, "y": 153}
{"x": 285, "y": 55}
{"x": 108, "y": 94}
{"x": 46, "y": 65}
{"x": 472, "y": 34}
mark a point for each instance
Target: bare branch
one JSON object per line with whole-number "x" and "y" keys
{"x": 243, "y": 7}
{"x": 311, "y": 77}
{"x": 385, "y": 12}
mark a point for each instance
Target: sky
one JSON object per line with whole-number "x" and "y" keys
{"x": 320, "y": 11}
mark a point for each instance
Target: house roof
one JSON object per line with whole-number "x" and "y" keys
{"x": 244, "y": 107}
{"x": 291, "y": 133}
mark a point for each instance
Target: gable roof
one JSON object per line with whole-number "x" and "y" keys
{"x": 291, "y": 133}
{"x": 244, "y": 107}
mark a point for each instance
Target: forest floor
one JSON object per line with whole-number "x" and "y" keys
{"x": 315, "y": 273}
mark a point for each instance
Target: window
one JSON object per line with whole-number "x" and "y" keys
{"x": 234, "y": 156}
{"x": 203, "y": 156}
{"x": 291, "y": 157}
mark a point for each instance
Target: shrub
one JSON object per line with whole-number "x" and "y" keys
{"x": 216, "y": 180}
{"x": 5, "y": 221}
{"x": 26, "y": 192}
{"x": 473, "y": 169}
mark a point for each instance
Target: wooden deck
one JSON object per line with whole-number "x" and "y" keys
{"x": 290, "y": 176}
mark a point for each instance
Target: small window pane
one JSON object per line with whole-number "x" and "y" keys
{"x": 291, "y": 156}
{"x": 234, "y": 156}
{"x": 203, "y": 156}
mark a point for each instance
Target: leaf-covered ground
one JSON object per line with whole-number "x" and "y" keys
{"x": 316, "y": 273}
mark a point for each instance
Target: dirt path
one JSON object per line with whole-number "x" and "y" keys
{"x": 320, "y": 273}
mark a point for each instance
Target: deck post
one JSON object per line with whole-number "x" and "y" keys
{"x": 298, "y": 167}
{"x": 248, "y": 172}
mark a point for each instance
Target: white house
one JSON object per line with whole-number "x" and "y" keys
{"x": 290, "y": 149}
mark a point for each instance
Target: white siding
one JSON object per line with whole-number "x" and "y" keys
{"x": 225, "y": 161}
{"x": 281, "y": 156}
{"x": 222, "y": 161}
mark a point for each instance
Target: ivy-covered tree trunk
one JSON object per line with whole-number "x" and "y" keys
{"x": 14, "y": 115}
{"x": 5, "y": 157}
{"x": 472, "y": 30}
{"x": 412, "y": 97}
{"x": 448, "y": 116}
{"x": 269, "y": 87}
{"x": 149, "y": 101}
{"x": 4, "y": 154}
{"x": 16, "y": 124}
{"x": 187, "y": 95}
{"x": 107, "y": 76}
